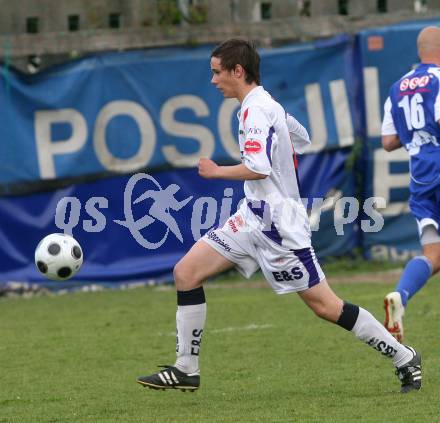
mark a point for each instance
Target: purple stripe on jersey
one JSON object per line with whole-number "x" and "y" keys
{"x": 269, "y": 143}
{"x": 262, "y": 210}
{"x": 306, "y": 258}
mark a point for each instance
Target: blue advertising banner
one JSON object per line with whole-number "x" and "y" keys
{"x": 137, "y": 227}
{"x": 122, "y": 112}
{"x": 121, "y": 239}
{"x": 328, "y": 188}
{"x": 156, "y": 112}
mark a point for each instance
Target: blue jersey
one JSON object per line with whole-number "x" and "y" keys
{"x": 412, "y": 111}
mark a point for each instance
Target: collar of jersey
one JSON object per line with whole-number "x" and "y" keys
{"x": 428, "y": 65}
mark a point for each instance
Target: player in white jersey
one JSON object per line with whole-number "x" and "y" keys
{"x": 270, "y": 230}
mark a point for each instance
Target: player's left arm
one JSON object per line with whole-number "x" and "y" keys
{"x": 298, "y": 135}
{"x": 210, "y": 170}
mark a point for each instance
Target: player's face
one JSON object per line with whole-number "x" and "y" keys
{"x": 223, "y": 79}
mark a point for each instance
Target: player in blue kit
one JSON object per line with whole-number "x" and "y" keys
{"x": 412, "y": 120}
{"x": 270, "y": 231}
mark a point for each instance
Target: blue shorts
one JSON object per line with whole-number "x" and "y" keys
{"x": 426, "y": 208}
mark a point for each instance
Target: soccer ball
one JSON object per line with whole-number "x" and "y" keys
{"x": 58, "y": 256}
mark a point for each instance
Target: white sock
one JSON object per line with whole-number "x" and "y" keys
{"x": 190, "y": 321}
{"x": 370, "y": 331}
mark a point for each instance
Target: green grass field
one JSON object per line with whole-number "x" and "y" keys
{"x": 265, "y": 358}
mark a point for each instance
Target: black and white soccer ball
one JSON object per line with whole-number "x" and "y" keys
{"x": 58, "y": 256}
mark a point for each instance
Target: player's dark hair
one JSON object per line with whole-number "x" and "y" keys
{"x": 239, "y": 52}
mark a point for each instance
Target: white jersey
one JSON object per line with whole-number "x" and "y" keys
{"x": 266, "y": 148}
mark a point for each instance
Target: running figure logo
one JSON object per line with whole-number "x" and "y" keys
{"x": 163, "y": 201}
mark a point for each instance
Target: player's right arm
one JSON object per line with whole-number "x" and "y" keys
{"x": 391, "y": 142}
{"x": 390, "y": 138}
{"x": 210, "y": 170}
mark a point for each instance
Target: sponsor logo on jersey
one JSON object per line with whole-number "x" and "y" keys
{"x": 419, "y": 139}
{"x": 404, "y": 84}
{"x": 255, "y": 131}
{"x": 423, "y": 81}
{"x": 252, "y": 146}
{"x": 414, "y": 83}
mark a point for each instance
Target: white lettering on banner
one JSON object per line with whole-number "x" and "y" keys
{"x": 198, "y": 132}
{"x": 384, "y": 181}
{"x": 315, "y": 110}
{"x": 341, "y": 110}
{"x": 386, "y": 253}
{"x": 227, "y": 111}
{"x": 47, "y": 148}
{"x": 372, "y": 102}
{"x": 147, "y": 140}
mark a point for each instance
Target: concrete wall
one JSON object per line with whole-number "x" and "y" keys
{"x": 283, "y": 9}
{"x": 399, "y": 5}
{"x": 138, "y": 13}
{"x": 319, "y": 8}
{"x": 94, "y": 14}
{"x": 53, "y": 15}
{"x": 361, "y": 7}
{"x": 221, "y": 12}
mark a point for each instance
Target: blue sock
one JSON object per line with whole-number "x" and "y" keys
{"x": 416, "y": 273}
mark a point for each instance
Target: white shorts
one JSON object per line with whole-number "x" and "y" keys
{"x": 286, "y": 270}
